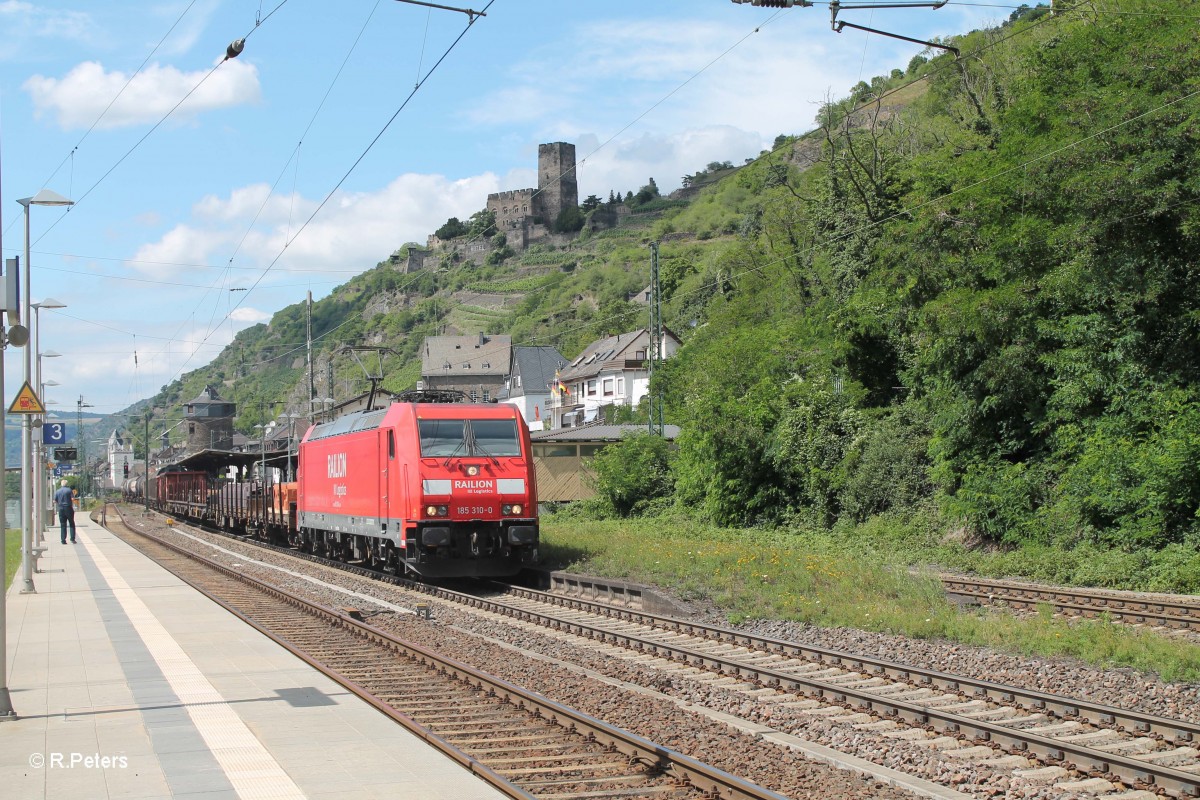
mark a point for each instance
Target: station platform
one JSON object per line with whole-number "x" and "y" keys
{"x": 129, "y": 684}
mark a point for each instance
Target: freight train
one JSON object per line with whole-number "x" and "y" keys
{"x": 431, "y": 489}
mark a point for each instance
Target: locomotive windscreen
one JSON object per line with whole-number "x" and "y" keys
{"x": 476, "y": 437}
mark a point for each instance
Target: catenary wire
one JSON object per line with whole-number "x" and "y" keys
{"x": 369, "y": 147}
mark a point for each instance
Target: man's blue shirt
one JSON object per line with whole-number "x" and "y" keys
{"x": 64, "y": 497}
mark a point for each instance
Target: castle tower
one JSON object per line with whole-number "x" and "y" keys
{"x": 558, "y": 183}
{"x": 210, "y": 422}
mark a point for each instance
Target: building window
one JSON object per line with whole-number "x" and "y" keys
{"x": 191, "y": 428}
{"x": 591, "y": 388}
{"x": 474, "y": 396}
{"x": 446, "y": 365}
{"x": 608, "y": 387}
{"x": 621, "y": 386}
{"x": 486, "y": 365}
{"x": 485, "y": 395}
{"x": 639, "y": 355}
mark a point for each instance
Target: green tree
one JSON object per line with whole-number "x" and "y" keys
{"x": 569, "y": 220}
{"x": 632, "y": 473}
{"x": 483, "y": 224}
{"x": 451, "y": 230}
{"x": 646, "y": 193}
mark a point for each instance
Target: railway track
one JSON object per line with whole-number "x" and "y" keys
{"x": 522, "y": 743}
{"x": 1107, "y": 743}
{"x": 977, "y": 721}
{"x": 1175, "y": 612}
{"x": 1164, "y": 611}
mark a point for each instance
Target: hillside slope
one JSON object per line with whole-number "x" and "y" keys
{"x": 972, "y": 290}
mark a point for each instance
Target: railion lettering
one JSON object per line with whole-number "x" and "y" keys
{"x": 475, "y": 485}
{"x": 337, "y": 465}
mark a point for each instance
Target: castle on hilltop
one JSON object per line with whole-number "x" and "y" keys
{"x": 527, "y": 215}
{"x": 524, "y": 216}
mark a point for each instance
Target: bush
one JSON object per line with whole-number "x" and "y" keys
{"x": 888, "y": 467}
{"x": 633, "y": 473}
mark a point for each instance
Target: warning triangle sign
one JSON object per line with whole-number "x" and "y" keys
{"x": 27, "y": 402}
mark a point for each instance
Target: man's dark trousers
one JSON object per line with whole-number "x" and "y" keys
{"x": 66, "y": 516}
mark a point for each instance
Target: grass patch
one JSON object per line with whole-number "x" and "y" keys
{"x": 861, "y": 578}
{"x": 12, "y": 556}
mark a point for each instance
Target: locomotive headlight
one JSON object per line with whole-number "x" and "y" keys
{"x": 514, "y": 509}
{"x": 472, "y": 470}
{"x": 436, "y": 511}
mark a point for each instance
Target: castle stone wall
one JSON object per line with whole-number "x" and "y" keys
{"x": 511, "y": 208}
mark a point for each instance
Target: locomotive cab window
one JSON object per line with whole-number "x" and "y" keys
{"x": 477, "y": 437}
{"x": 496, "y": 437}
{"x": 442, "y": 437}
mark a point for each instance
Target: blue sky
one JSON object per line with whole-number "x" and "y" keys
{"x": 212, "y": 194}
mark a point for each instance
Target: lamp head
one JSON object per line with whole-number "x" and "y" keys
{"x": 45, "y": 197}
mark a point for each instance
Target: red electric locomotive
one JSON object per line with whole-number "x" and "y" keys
{"x": 437, "y": 489}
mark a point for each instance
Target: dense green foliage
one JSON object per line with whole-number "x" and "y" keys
{"x": 986, "y": 300}
{"x": 634, "y": 473}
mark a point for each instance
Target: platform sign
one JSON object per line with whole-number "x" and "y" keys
{"x": 63, "y": 469}
{"x": 54, "y": 433}
{"x": 27, "y": 402}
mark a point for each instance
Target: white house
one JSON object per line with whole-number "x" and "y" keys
{"x": 610, "y": 371}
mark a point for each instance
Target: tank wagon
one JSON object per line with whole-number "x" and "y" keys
{"x": 438, "y": 490}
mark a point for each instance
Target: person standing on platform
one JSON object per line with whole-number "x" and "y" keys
{"x": 64, "y": 501}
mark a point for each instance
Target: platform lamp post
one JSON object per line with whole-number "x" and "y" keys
{"x": 43, "y": 198}
{"x": 81, "y": 446}
{"x": 146, "y": 477}
{"x": 39, "y": 492}
{"x": 291, "y": 418}
{"x": 6, "y": 707}
{"x": 262, "y": 446}
{"x": 44, "y": 478}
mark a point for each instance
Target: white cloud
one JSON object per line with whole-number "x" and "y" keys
{"x": 78, "y": 99}
{"x": 628, "y": 165}
{"x": 251, "y": 316}
{"x": 23, "y": 22}
{"x": 188, "y": 29}
{"x": 352, "y": 232}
